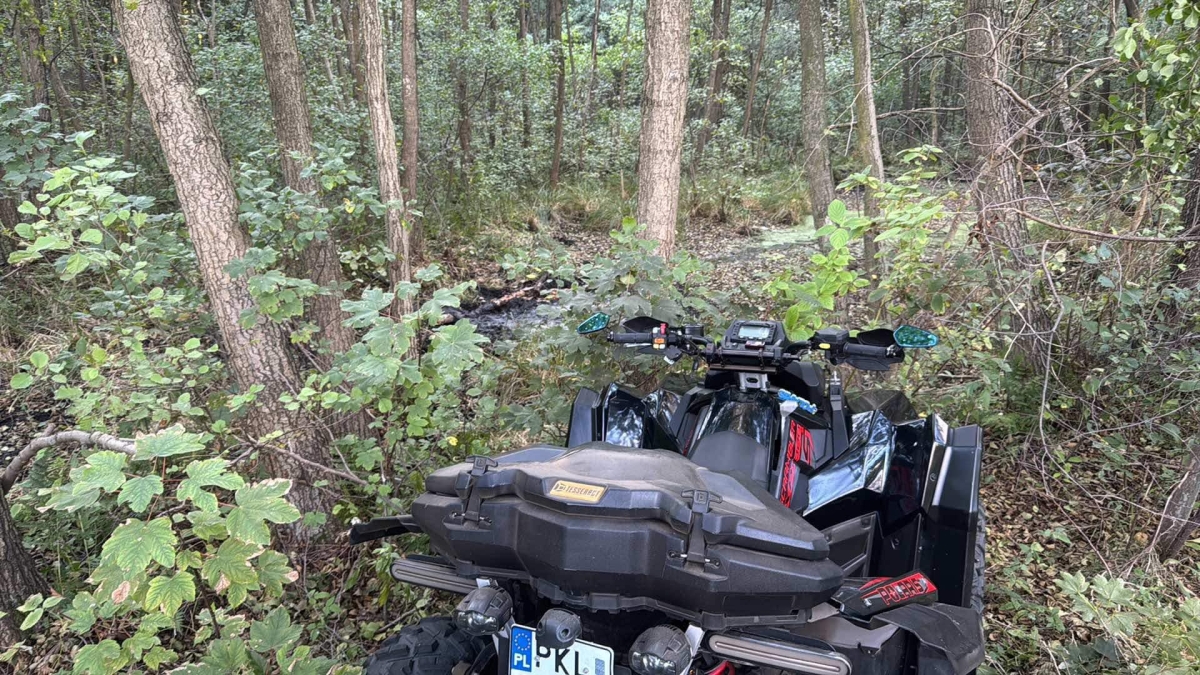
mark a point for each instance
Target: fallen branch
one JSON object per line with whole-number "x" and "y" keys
{"x": 23, "y": 458}
{"x": 897, "y": 113}
{"x": 492, "y": 305}
{"x": 1106, "y": 235}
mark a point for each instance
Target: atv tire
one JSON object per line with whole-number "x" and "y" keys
{"x": 977, "y": 581}
{"x": 435, "y": 646}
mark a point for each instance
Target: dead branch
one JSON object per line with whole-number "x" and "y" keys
{"x": 1105, "y": 235}
{"x": 492, "y": 305}
{"x": 96, "y": 438}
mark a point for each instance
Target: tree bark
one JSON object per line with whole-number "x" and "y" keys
{"x": 866, "y": 127}
{"x": 935, "y": 101}
{"x": 258, "y": 354}
{"x": 383, "y": 134}
{"x": 350, "y": 25}
{"x": 554, "y": 37}
{"x": 756, "y": 65}
{"x": 997, "y": 188}
{"x": 412, "y": 116}
{"x": 33, "y": 56}
{"x": 591, "y": 88}
{"x": 813, "y": 124}
{"x": 460, "y": 94}
{"x": 1179, "y": 519}
{"x": 713, "y": 107}
{"x": 664, "y": 103}
{"x": 523, "y": 33}
{"x": 1186, "y": 268}
{"x": 19, "y": 576}
{"x": 293, "y": 130}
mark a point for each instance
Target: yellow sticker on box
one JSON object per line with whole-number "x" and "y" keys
{"x": 577, "y": 492}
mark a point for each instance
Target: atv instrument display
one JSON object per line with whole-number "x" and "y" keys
{"x": 760, "y": 520}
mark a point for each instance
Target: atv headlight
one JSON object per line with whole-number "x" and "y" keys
{"x": 484, "y": 611}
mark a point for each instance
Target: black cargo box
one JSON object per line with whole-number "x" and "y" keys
{"x": 608, "y": 527}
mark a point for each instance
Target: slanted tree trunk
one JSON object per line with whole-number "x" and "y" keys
{"x": 716, "y": 75}
{"x": 664, "y": 103}
{"x": 865, "y": 125}
{"x": 756, "y": 65}
{"x": 460, "y": 93}
{"x": 412, "y": 117}
{"x": 257, "y": 354}
{"x": 554, "y": 37}
{"x": 813, "y": 91}
{"x": 19, "y": 576}
{"x": 293, "y": 130}
{"x": 997, "y": 187}
{"x": 1179, "y": 519}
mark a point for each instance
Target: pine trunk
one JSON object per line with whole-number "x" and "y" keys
{"x": 813, "y": 124}
{"x": 997, "y": 187}
{"x": 664, "y": 103}
{"x": 554, "y": 37}
{"x": 258, "y": 354}
{"x": 756, "y": 65}
{"x": 865, "y": 125}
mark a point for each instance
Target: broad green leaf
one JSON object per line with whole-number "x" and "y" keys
{"x": 39, "y": 359}
{"x": 133, "y": 545}
{"x": 171, "y": 441}
{"x": 159, "y": 655}
{"x": 76, "y": 263}
{"x": 32, "y": 602}
{"x": 105, "y": 470}
{"x": 456, "y": 347}
{"x": 274, "y": 633}
{"x": 139, "y": 491}
{"x": 837, "y": 211}
{"x": 227, "y": 656}
{"x": 257, "y": 504}
{"x": 102, "y": 658}
{"x": 839, "y": 238}
{"x": 363, "y": 312}
{"x": 167, "y": 594}
{"x": 32, "y": 618}
{"x": 206, "y": 473}
{"x": 91, "y": 236}
{"x": 20, "y": 380}
{"x": 273, "y": 572}
{"x": 229, "y": 570}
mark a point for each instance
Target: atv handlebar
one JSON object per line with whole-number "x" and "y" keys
{"x": 851, "y": 349}
{"x": 631, "y": 338}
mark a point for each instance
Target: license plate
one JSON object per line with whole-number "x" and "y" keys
{"x": 581, "y": 658}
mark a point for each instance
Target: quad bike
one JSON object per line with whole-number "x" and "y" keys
{"x": 761, "y": 522}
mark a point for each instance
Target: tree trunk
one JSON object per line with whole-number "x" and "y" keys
{"x": 813, "y": 125}
{"x": 554, "y": 37}
{"x": 350, "y": 26}
{"x": 756, "y": 65}
{"x": 591, "y": 88}
{"x": 866, "y": 127}
{"x": 523, "y": 34}
{"x": 997, "y": 187}
{"x": 293, "y": 130}
{"x": 664, "y": 103}
{"x": 19, "y": 576}
{"x": 383, "y": 134}
{"x": 935, "y": 100}
{"x": 460, "y": 86}
{"x": 412, "y": 117}
{"x": 716, "y": 74}
{"x": 1186, "y": 268}
{"x": 33, "y": 56}
{"x": 1179, "y": 519}
{"x": 258, "y": 354}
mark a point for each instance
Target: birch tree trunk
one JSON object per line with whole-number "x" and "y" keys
{"x": 383, "y": 135}
{"x": 866, "y": 126}
{"x": 756, "y": 65}
{"x": 293, "y": 130}
{"x": 664, "y": 102}
{"x": 258, "y": 354}
{"x": 813, "y": 94}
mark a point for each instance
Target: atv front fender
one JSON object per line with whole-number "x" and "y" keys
{"x": 951, "y": 638}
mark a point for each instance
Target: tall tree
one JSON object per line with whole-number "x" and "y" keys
{"x": 412, "y": 117}
{"x": 350, "y": 20}
{"x": 997, "y": 187}
{"x": 664, "y": 103}
{"x": 523, "y": 34}
{"x": 813, "y": 92}
{"x": 591, "y": 88}
{"x": 756, "y": 65}
{"x": 33, "y": 55}
{"x": 713, "y": 107}
{"x": 865, "y": 125}
{"x": 460, "y": 91}
{"x": 258, "y": 354}
{"x": 293, "y": 130}
{"x": 554, "y": 37}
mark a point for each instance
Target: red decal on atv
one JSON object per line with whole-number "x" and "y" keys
{"x": 787, "y": 486}
{"x": 873, "y": 582}
{"x": 902, "y": 590}
{"x": 800, "y": 444}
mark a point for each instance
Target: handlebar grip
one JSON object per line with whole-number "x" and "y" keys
{"x": 852, "y": 349}
{"x": 630, "y": 338}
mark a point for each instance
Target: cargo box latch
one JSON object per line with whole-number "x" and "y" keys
{"x": 466, "y": 488}
{"x": 696, "y": 548}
